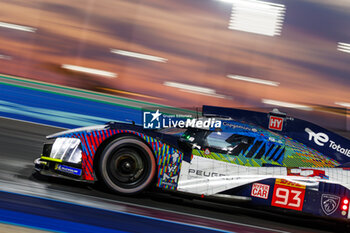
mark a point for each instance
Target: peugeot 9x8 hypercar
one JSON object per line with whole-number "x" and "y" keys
{"x": 266, "y": 159}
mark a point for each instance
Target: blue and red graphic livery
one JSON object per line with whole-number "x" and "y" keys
{"x": 267, "y": 159}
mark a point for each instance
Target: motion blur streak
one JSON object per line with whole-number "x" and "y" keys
{"x": 257, "y": 17}
{"x": 204, "y": 90}
{"x": 139, "y": 55}
{"x": 253, "y": 1}
{"x": 194, "y": 89}
{"x": 128, "y": 93}
{"x": 17, "y": 27}
{"x": 286, "y": 104}
{"x": 5, "y": 57}
{"x": 90, "y": 71}
{"x": 344, "y": 104}
{"x": 211, "y": 95}
{"x": 253, "y": 80}
{"x": 344, "y": 47}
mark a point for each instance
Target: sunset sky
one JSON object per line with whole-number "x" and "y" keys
{"x": 194, "y": 39}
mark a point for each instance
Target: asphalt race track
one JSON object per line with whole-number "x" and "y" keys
{"x": 21, "y": 142}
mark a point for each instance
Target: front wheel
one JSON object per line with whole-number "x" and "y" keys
{"x": 127, "y": 166}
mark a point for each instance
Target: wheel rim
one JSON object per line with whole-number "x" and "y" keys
{"x": 127, "y": 167}
{"x": 136, "y": 160}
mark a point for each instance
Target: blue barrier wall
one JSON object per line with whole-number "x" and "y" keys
{"x": 60, "y": 110}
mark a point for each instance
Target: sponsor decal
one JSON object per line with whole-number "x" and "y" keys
{"x": 157, "y": 120}
{"x": 238, "y": 126}
{"x": 307, "y": 172}
{"x": 169, "y": 177}
{"x": 329, "y": 203}
{"x": 338, "y": 148}
{"x": 276, "y": 123}
{"x": 321, "y": 139}
{"x": 260, "y": 190}
{"x": 289, "y": 183}
{"x": 198, "y": 172}
{"x": 289, "y": 195}
{"x": 67, "y": 169}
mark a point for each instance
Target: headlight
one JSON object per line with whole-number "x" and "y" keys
{"x": 67, "y": 150}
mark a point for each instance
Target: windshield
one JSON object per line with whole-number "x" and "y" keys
{"x": 225, "y": 142}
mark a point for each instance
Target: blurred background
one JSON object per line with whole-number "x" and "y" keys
{"x": 292, "y": 54}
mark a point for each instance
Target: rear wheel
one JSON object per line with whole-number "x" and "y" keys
{"x": 127, "y": 165}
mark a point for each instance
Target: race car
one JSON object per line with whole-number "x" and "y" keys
{"x": 267, "y": 159}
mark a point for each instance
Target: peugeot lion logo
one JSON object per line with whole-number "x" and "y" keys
{"x": 329, "y": 203}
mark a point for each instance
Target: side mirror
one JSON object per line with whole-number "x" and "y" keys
{"x": 245, "y": 141}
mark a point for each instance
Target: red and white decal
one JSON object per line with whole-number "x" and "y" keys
{"x": 276, "y": 123}
{"x": 307, "y": 172}
{"x": 260, "y": 190}
{"x": 289, "y": 195}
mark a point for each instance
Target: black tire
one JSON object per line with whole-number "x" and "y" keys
{"x": 127, "y": 166}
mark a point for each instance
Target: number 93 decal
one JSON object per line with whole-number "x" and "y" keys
{"x": 288, "y": 195}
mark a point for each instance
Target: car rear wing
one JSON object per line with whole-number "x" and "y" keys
{"x": 316, "y": 137}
